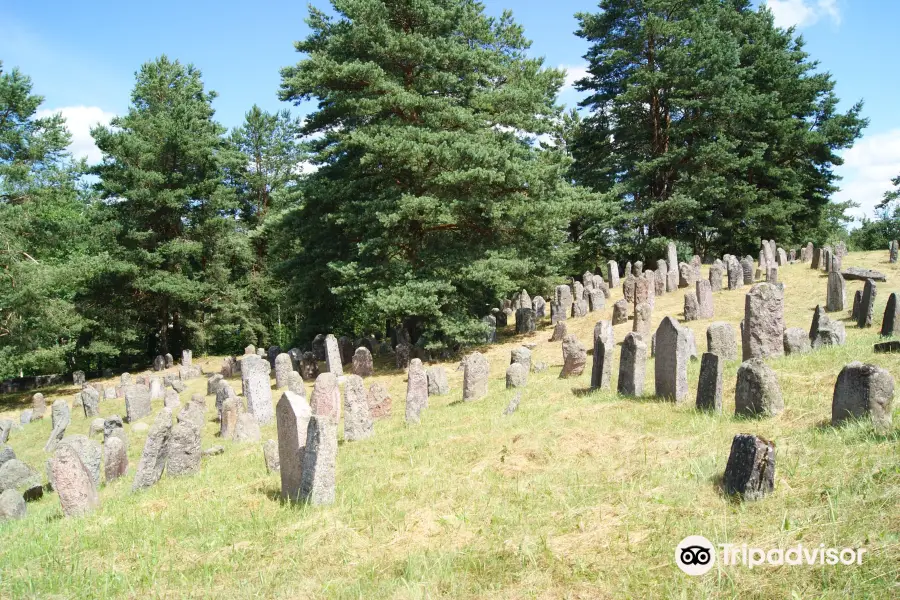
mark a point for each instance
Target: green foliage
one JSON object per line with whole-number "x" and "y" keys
{"x": 431, "y": 199}
{"x": 711, "y": 125}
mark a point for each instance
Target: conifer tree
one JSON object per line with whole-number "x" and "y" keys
{"x": 431, "y": 199}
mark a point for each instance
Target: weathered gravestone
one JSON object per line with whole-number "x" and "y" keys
{"x": 691, "y": 307}
{"x": 750, "y": 472}
{"x": 574, "y": 357}
{"x": 475, "y": 377}
{"x": 763, "y": 322}
{"x": 632, "y": 365}
{"x": 346, "y": 348}
{"x": 516, "y": 376}
{"x": 720, "y": 340}
{"x": 857, "y": 302}
{"x": 317, "y": 480}
{"x": 613, "y": 273}
{"x": 835, "y": 292}
{"x": 38, "y": 406}
{"x": 78, "y": 378}
{"x": 72, "y": 482}
{"x": 525, "y": 319}
{"x": 796, "y": 341}
{"x": 704, "y": 299}
{"x": 604, "y": 345}
{"x": 709, "y": 386}
{"x": 521, "y": 355}
{"x": 757, "y": 392}
{"x": 258, "y": 390}
{"x": 540, "y": 307}
{"x": 357, "y": 420}
{"x": 60, "y": 418}
{"x": 114, "y": 427}
{"x": 156, "y": 452}
{"x": 137, "y": 402}
{"x": 379, "y": 401}
{"x": 362, "y": 362}
{"x": 863, "y": 390}
{"x": 747, "y": 268}
{"x": 318, "y": 347}
{"x": 890, "y": 324}
{"x": 184, "y": 450}
{"x": 115, "y": 458}
{"x": 187, "y": 358}
{"x": 90, "y": 402}
{"x": 246, "y": 429}
{"x": 643, "y": 315}
{"x": 326, "y": 397}
{"x": 715, "y": 277}
{"x": 672, "y": 355}
{"x": 402, "y": 355}
{"x": 309, "y": 367}
{"x": 437, "y": 381}
{"x": 559, "y": 332}
{"x": 284, "y": 366}
{"x": 228, "y": 418}
{"x": 292, "y": 415}
{"x": 333, "y": 356}
{"x": 620, "y": 312}
{"x": 867, "y": 304}
{"x": 416, "y": 391}
{"x": 159, "y": 363}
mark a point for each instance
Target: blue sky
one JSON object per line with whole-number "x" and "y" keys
{"x": 82, "y": 58}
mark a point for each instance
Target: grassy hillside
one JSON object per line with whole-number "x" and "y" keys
{"x": 577, "y": 495}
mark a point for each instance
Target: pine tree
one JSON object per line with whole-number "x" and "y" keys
{"x": 164, "y": 175}
{"x": 430, "y": 200}
{"x": 715, "y": 124}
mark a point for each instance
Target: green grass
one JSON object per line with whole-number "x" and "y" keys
{"x": 576, "y": 495}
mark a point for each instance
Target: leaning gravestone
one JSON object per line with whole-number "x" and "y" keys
{"x": 362, "y": 362}
{"x": 60, "y": 418}
{"x": 559, "y": 332}
{"x": 890, "y": 324}
{"x": 137, "y": 402}
{"x": 709, "y": 386}
{"x": 863, "y": 391}
{"x": 258, "y": 390}
{"x": 796, "y": 341}
{"x": 153, "y": 458}
{"x": 317, "y": 479}
{"x": 333, "y": 356}
{"x": 357, "y": 420}
{"x": 292, "y": 415}
{"x": 326, "y": 397}
{"x": 88, "y": 451}
{"x": 632, "y": 365}
{"x": 835, "y": 292}
{"x": 574, "y": 357}
{"x": 867, "y": 304}
{"x": 72, "y": 482}
{"x": 437, "y": 381}
{"x": 750, "y": 472}
{"x": 475, "y": 377}
{"x": 720, "y": 340}
{"x": 757, "y": 392}
{"x": 672, "y": 355}
{"x": 184, "y": 450}
{"x": 284, "y": 366}
{"x": 825, "y": 332}
{"x": 763, "y": 322}
{"x": 115, "y": 459}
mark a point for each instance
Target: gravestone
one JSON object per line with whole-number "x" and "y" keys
{"x": 540, "y": 307}
{"x": 326, "y": 397}
{"x": 284, "y": 366}
{"x": 763, "y": 333}
{"x": 309, "y": 367}
{"x": 137, "y": 402}
{"x": 159, "y": 363}
{"x": 258, "y": 390}
{"x": 346, "y": 348}
{"x": 156, "y": 448}
{"x": 402, "y": 354}
{"x": 709, "y": 386}
{"x": 613, "y": 273}
{"x": 292, "y": 415}
{"x": 184, "y": 450}
{"x": 564, "y": 297}
{"x": 416, "y": 391}
{"x": 579, "y": 309}
{"x": 60, "y": 418}
{"x": 863, "y": 391}
{"x": 715, "y": 277}
{"x": 270, "y": 455}
{"x": 115, "y": 458}
{"x": 379, "y": 401}
{"x": 317, "y": 480}
{"x": 187, "y": 358}
{"x": 212, "y": 384}
{"x": 750, "y": 472}
{"x": 38, "y": 406}
{"x": 672, "y": 262}
{"x": 747, "y": 267}
{"x": 757, "y": 392}
{"x": 620, "y": 312}
{"x": 632, "y": 365}
{"x": 704, "y": 299}
{"x": 114, "y": 427}
{"x": 672, "y": 355}
{"x": 490, "y": 323}
{"x": 78, "y": 378}
{"x": 88, "y": 451}
{"x": 559, "y": 332}
{"x": 628, "y": 286}
{"x": 295, "y": 384}
{"x": 228, "y": 418}
{"x": 890, "y": 324}
{"x": 892, "y": 256}
{"x": 643, "y": 315}
{"x": 525, "y": 318}
{"x": 90, "y": 401}
{"x": 516, "y": 376}
{"x": 574, "y": 357}
{"x": 867, "y": 304}
{"x": 685, "y": 275}
{"x": 835, "y": 292}
{"x": 691, "y": 307}
{"x": 437, "y": 381}
{"x": 333, "y": 356}
{"x": 170, "y": 360}
{"x": 720, "y": 340}
{"x": 475, "y": 377}
{"x": 362, "y": 362}
{"x": 604, "y": 346}
{"x": 596, "y": 300}
{"x": 557, "y": 312}
{"x": 246, "y": 430}
{"x": 357, "y": 420}
{"x": 796, "y": 341}
{"x": 318, "y": 347}
{"x": 857, "y": 302}
{"x": 72, "y": 482}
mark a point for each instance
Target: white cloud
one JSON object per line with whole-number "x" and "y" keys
{"x": 573, "y": 74}
{"x": 868, "y": 169}
{"x": 803, "y": 13}
{"x": 79, "y": 120}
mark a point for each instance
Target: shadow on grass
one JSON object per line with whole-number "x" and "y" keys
{"x": 718, "y": 481}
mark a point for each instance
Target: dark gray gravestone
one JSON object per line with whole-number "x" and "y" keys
{"x": 632, "y": 365}
{"x": 863, "y": 390}
{"x": 750, "y": 472}
{"x": 709, "y": 386}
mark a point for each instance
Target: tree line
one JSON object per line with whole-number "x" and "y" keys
{"x": 436, "y": 175}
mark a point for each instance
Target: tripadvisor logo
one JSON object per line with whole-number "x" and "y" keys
{"x": 696, "y": 555}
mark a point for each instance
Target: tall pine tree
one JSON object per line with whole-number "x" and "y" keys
{"x": 430, "y": 200}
